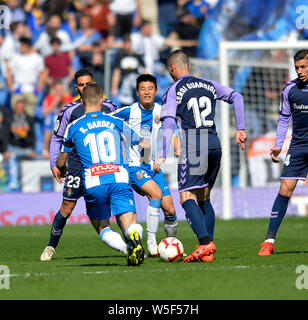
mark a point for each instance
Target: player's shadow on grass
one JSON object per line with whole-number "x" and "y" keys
{"x": 288, "y": 252}
{"x": 95, "y": 264}
{"x": 92, "y": 257}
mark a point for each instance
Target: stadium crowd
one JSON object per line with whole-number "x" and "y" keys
{"x": 49, "y": 40}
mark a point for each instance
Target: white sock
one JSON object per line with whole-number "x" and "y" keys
{"x": 113, "y": 240}
{"x": 152, "y": 221}
{"x": 134, "y": 226}
{"x": 272, "y": 241}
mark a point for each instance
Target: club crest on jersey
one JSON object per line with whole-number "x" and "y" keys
{"x": 139, "y": 175}
{"x": 156, "y": 119}
{"x": 104, "y": 168}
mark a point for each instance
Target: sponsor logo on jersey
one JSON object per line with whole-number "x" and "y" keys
{"x": 57, "y": 125}
{"x": 104, "y": 168}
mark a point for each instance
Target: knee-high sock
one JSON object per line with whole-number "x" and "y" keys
{"x": 152, "y": 218}
{"x": 56, "y": 229}
{"x": 196, "y": 219}
{"x": 209, "y": 213}
{"x": 113, "y": 239}
{"x": 279, "y": 210}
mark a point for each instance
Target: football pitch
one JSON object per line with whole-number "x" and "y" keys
{"x": 84, "y": 268}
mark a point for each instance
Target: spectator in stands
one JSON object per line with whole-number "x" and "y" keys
{"x": 186, "y": 29}
{"x": 127, "y": 15}
{"x": 57, "y": 97}
{"x": 94, "y": 60}
{"x": 53, "y": 30}
{"x": 86, "y": 28}
{"x": 166, "y": 21}
{"x": 101, "y": 16}
{"x": 25, "y": 76}
{"x": 10, "y": 44}
{"x": 16, "y": 11}
{"x": 22, "y": 141}
{"x": 149, "y": 45}
{"x": 58, "y": 65}
{"x": 127, "y": 66}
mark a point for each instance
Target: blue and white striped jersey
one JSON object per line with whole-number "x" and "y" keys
{"x": 97, "y": 139}
{"x": 147, "y": 123}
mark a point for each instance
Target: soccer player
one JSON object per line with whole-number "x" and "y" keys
{"x": 294, "y": 105}
{"x": 73, "y": 186}
{"x": 191, "y": 101}
{"x": 144, "y": 117}
{"x": 97, "y": 139}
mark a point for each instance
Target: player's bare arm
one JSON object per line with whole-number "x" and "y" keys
{"x": 61, "y": 163}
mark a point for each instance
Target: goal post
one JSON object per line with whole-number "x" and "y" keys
{"x": 257, "y": 69}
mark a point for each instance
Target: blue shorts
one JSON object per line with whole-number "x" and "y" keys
{"x": 139, "y": 176}
{"x": 295, "y": 165}
{"x": 112, "y": 197}
{"x": 198, "y": 172}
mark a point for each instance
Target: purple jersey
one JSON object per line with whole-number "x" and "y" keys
{"x": 191, "y": 102}
{"x": 294, "y": 104}
{"x": 67, "y": 115}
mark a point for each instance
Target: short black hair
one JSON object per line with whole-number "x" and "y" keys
{"x": 179, "y": 55}
{"x": 144, "y": 78}
{"x": 82, "y": 73}
{"x": 300, "y": 55}
{"x": 26, "y": 41}
{"x": 55, "y": 40}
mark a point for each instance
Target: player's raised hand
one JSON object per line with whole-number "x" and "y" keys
{"x": 274, "y": 154}
{"x": 240, "y": 138}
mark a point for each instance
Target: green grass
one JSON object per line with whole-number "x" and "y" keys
{"x": 84, "y": 268}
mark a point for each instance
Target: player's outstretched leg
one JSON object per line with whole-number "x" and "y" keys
{"x": 196, "y": 219}
{"x": 55, "y": 234}
{"x": 113, "y": 240}
{"x": 278, "y": 212}
{"x": 135, "y": 250}
{"x": 152, "y": 221}
{"x": 209, "y": 213}
{"x": 170, "y": 221}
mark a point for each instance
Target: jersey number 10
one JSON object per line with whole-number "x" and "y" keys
{"x": 102, "y": 147}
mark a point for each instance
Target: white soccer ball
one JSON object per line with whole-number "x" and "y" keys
{"x": 170, "y": 249}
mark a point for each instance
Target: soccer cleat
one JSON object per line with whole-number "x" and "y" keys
{"x": 267, "y": 248}
{"x": 135, "y": 250}
{"x": 48, "y": 253}
{"x": 152, "y": 248}
{"x": 200, "y": 252}
{"x": 209, "y": 257}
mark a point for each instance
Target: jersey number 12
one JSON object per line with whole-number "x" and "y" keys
{"x": 200, "y": 117}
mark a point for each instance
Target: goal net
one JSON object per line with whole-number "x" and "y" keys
{"x": 249, "y": 181}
